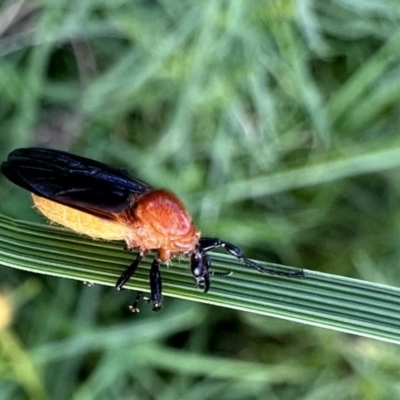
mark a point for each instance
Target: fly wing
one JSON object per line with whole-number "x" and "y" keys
{"x": 71, "y": 180}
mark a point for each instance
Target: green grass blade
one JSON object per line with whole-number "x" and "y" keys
{"x": 329, "y": 301}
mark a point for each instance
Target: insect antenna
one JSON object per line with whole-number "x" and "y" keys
{"x": 220, "y": 273}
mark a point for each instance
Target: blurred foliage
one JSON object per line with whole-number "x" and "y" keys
{"x": 276, "y": 122}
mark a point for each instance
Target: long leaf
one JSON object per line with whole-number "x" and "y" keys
{"x": 329, "y": 301}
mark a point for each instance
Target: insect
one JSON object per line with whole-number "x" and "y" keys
{"x": 100, "y": 201}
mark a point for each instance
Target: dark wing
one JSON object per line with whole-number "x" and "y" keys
{"x": 71, "y": 180}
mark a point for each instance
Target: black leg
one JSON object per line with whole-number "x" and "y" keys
{"x": 135, "y": 305}
{"x": 208, "y": 244}
{"x": 128, "y": 273}
{"x": 155, "y": 286}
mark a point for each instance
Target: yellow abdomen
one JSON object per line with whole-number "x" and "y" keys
{"x": 81, "y": 222}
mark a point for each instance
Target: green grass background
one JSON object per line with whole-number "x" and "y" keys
{"x": 277, "y": 122}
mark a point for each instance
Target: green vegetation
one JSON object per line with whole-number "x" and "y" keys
{"x": 277, "y": 123}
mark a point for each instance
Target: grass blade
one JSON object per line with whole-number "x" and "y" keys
{"x": 324, "y": 300}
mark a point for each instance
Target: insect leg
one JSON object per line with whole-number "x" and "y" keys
{"x": 209, "y": 244}
{"x": 155, "y": 286}
{"x": 135, "y": 305}
{"x": 128, "y": 273}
